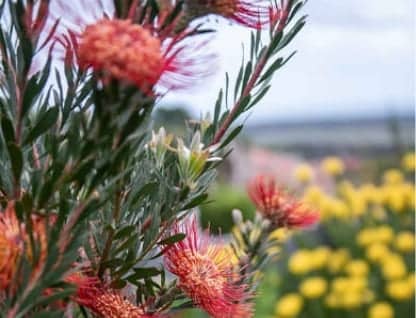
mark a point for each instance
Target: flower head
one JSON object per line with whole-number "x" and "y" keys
{"x": 122, "y": 50}
{"x": 206, "y": 275}
{"x": 333, "y": 166}
{"x": 381, "y": 310}
{"x": 142, "y": 54}
{"x": 313, "y": 287}
{"x": 277, "y": 205}
{"x": 253, "y": 14}
{"x": 103, "y": 301}
{"x": 11, "y": 245}
{"x": 15, "y": 243}
{"x": 119, "y": 49}
{"x": 290, "y": 305}
{"x": 303, "y": 173}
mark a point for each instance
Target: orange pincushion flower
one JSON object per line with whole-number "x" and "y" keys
{"x": 253, "y": 14}
{"x": 136, "y": 54}
{"x": 102, "y": 301}
{"x": 207, "y": 277}
{"x": 278, "y": 206}
{"x": 11, "y": 245}
{"x": 15, "y": 243}
{"x": 122, "y": 50}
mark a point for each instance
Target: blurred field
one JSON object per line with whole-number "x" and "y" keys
{"x": 359, "y": 262}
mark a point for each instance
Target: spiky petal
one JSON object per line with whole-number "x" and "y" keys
{"x": 253, "y": 14}
{"x": 206, "y": 276}
{"x": 279, "y": 207}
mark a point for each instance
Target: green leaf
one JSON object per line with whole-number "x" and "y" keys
{"x": 145, "y": 190}
{"x": 124, "y": 232}
{"x": 45, "y": 122}
{"x": 16, "y": 159}
{"x": 7, "y": 129}
{"x": 141, "y": 273}
{"x": 173, "y": 239}
{"x": 196, "y": 201}
{"x": 231, "y": 136}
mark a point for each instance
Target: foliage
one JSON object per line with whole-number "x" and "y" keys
{"x": 89, "y": 196}
{"x": 224, "y": 198}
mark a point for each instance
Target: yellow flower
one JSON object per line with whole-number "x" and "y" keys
{"x": 313, "y": 287}
{"x": 300, "y": 262}
{"x": 289, "y": 305}
{"x": 371, "y": 193}
{"x": 411, "y": 279}
{"x": 313, "y": 195}
{"x": 333, "y": 166}
{"x": 332, "y": 300}
{"x": 400, "y": 289}
{"x": 377, "y": 252}
{"x": 393, "y": 177}
{"x": 339, "y": 209}
{"x": 357, "y": 268}
{"x": 337, "y": 260}
{"x": 358, "y": 204}
{"x": 385, "y": 234}
{"x": 393, "y": 267}
{"x": 340, "y": 285}
{"x": 303, "y": 173}
{"x": 280, "y": 235}
{"x": 409, "y": 161}
{"x": 357, "y": 283}
{"x": 366, "y": 237}
{"x": 405, "y": 242}
{"x": 395, "y": 198}
{"x": 381, "y": 310}
{"x": 320, "y": 257}
{"x": 351, "y": 299}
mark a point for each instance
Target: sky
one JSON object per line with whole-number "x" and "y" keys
{"x": 354, "y": 58}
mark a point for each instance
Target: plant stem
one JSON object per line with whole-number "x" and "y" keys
{"x": 246, "y": 92}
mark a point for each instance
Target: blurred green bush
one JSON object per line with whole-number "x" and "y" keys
{"x": 223, "y": 199}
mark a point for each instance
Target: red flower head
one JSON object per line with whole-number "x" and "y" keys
{"x": 11, "y": 245}
{"x": 15, "y": 243}
{"x": 253, "y": 14}
{"x": 122, "y": 50}
{"x": 103, "y": 301}
{"x": 140, "y": 54}
{"x": 278, "y": 206}
{"x": 206, "y": 275}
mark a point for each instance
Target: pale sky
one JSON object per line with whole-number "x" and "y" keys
{"x": 354, "y": 57}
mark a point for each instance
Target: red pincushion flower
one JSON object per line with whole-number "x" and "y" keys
{"x": 253, "y": 14}
{"x": 102, "y": 301}
{"x": 11, "y": 245}
{"x": 15, "y": 243}
{"x": 122, "y": 50}
{"x": 206, "y": 276}
{"x": 278, "y": 206}
{"x": 144, "y": 55}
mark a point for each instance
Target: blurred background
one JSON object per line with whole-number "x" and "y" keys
{"x": 337, "y": 129}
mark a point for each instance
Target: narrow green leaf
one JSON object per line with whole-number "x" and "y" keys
{"x": 45, "y": 122}
{"x": 16, "y": 159}
{"x": 173, "y": 239}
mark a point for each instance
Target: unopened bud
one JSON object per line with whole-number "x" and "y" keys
{"x": 237, "y": 216}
